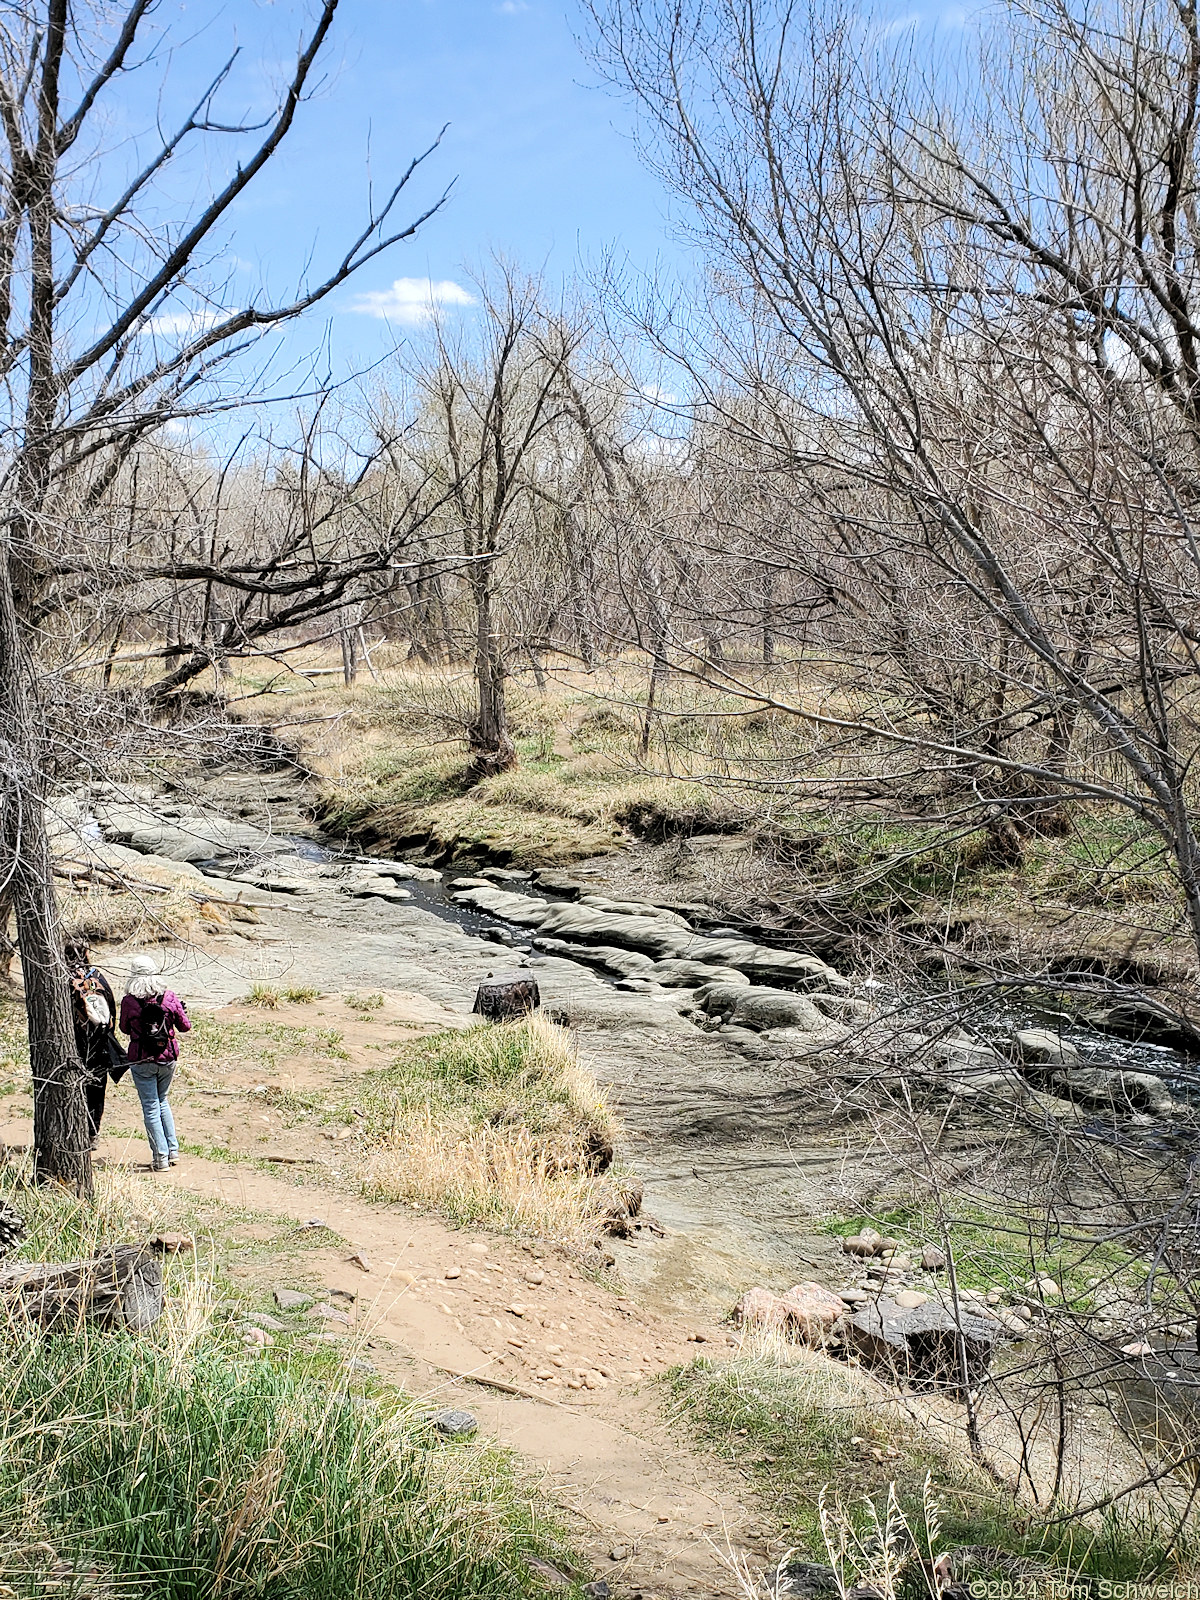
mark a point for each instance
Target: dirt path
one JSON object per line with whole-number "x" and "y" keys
{"x": 441, "y": 1309}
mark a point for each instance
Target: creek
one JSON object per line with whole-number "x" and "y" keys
{"x": 731, "y": 1133}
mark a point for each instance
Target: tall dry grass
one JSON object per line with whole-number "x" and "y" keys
{"x": 498, "y": 1125}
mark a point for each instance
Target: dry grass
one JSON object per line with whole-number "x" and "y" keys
{"x": 495, "y": 1125}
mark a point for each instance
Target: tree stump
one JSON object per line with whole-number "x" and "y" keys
{"x": 506, "y": 996}
{"x": 119, "y": 1288}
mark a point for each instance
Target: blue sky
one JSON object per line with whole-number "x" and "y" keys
{"x": 544, "y": 171}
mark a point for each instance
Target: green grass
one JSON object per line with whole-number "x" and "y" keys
{"x": 998, "y": 1248}
{"x": 363, "y": 1002}
{"x": 798, "y": 1431}
{"x": 220, "y": 1039}
{"x": 182, "y": 1464}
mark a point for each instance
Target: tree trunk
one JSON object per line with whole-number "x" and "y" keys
{"x": 490, "y": 745}
{"x": 349, "y": 657}
{"x": 60, "y": 1130}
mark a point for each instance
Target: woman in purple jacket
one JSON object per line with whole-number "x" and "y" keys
{"x": 150, "y": 1015}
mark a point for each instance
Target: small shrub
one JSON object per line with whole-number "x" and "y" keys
{"x": 262, "y": 994}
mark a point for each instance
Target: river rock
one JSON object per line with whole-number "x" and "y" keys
{"x": 933, "y": 1259}
{"x": 759, "y": 1008}
{"x": 624, "y": 963}
{"x": 559, "y": 883}
{"x": 1042, "y": 1047}
{"x": 1140, "y": 1018}
{"x": 841, "y": 1007}
{"x": 921, "y": 1343}
{"x": 676, "y": 974}
{"x": 971, "y": 1068}
{"x": 194, "y": 836}
{"x": 660, "y": 934}
{"x": 1123, "y": 1091}
{"x": 632, "y": 908}
{"x": 377, "y": 889}
{"x": 806, "y": 1313}
{"x": 402, "y": 871}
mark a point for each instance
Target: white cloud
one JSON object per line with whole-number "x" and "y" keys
{"x": 188, "y": 322}
{"x": 413, "y": 301}
{"x": 511, "y": 8}
{"x": 660, "y": 397}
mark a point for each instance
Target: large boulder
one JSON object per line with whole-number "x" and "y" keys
{"x": 924, "y": 1344}
{"x": 1043, "y": 1047}
{"x": 749, "y": 1006}
{"x": 1123, "y": 1091}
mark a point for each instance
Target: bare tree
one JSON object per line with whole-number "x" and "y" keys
{"x": 492, "y": 395}
{"x": 975, "y": 332}
{"x": 89, "y": 374}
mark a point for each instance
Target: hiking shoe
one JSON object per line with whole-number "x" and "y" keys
{"x": 159, "y": 1164}
{"x": 174, "y": 1159}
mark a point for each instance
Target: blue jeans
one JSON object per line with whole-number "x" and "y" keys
{"x": 152, "y": 1080}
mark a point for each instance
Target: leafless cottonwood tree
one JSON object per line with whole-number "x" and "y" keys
{"x": 491, "y": 396}
{"x": 972, "y": 319}
{"x": 90, "y": 257}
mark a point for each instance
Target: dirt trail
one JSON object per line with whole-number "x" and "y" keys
{"x": 441, "y": 1309}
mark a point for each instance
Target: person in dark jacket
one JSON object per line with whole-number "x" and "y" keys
{"x": 94, "y": 1013}
{"x": 152, "y": 1015}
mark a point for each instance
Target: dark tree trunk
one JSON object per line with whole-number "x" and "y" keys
{"x": 491, "y": 748}
{"x": 60, "y": 1130}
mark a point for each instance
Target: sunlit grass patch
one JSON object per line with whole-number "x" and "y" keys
{"x": 497, "y": 1125}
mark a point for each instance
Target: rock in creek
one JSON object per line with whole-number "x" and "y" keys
{"x": 622, "y": 963}
{"x": 922, "y": 1343}
{"x": 1041, "y": 1046}
{"x": 690, "y": 974}
{"x": 760, "y": 1008}
{"x": 654, "y": 932}
{"x": 1123, "y": 1091}
{"x": 807, "y": 1313}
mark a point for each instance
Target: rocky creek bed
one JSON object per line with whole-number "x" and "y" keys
{"x": 721, "y": 1052}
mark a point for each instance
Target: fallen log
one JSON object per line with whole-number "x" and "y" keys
{"x": 120, "y": 1287}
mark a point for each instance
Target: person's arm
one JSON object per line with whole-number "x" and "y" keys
{"x": 129, "y": 1014}
{"x": 106, "y": 987}
{"x": 177, "y": 1012}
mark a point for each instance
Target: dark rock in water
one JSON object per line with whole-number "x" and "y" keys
{"x": 1145, "y": 1021}
{"x": 1124, "y": 1091}
{"x": 507, "y": 995}
{"x": 455, "y": 1424}
{"x": 559, "y": 883}
{"x": 804, "y": 1580}
{"x": 921, "y": 1343}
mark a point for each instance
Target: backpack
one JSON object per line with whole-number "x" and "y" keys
{"x": 154, "y": 1026}
{"x": 91, "y": 1006}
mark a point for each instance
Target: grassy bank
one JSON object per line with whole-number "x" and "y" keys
{"x": 391, "y": 759}
{"x": 182, "y": 1465}
{"x": 493, "y": 1125}
{"x": 827, "y": 1449}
